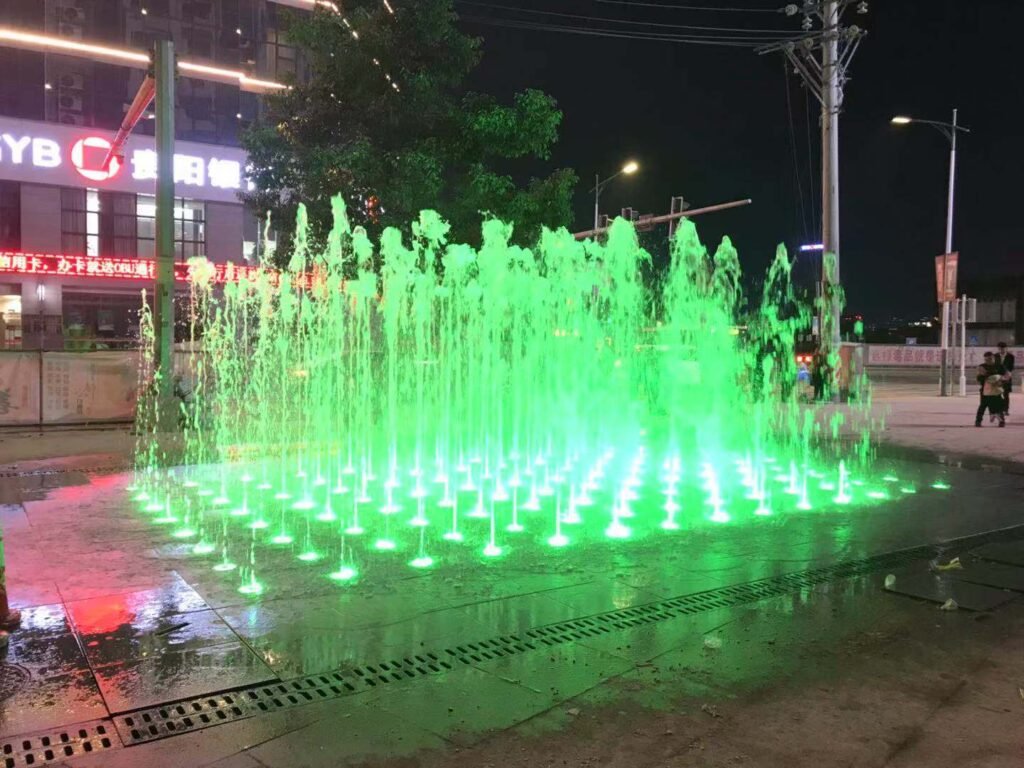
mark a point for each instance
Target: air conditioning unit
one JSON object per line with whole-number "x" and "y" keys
{"x": 73, "y": 81}
{"x": 70, "y": 31}
{"x": 70, "y": 119}
{"x": 70, "y": 14}
{"x": 70, "y": 102}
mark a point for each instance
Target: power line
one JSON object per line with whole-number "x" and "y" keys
{"x": 815, "y": 199}
{"x": 721, "y": 40}
{"x": 792, "y": 144}
{"x": 678, "y": 7}
{"x": 606, "y": 19}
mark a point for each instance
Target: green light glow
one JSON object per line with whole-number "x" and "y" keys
{"x": 617, "y": 531}
{"x": 941, "y": 485}
{"x": 343, "y": 574}
{"x": 421, "y": 391}
{"x": 252, "y": 588}
{"x": 203, "y": 548}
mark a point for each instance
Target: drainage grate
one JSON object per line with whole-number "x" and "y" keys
{"x": 55, "y": 745}
{"x": 12, "y": 679}
{"x": 146, "y": 725}
{"x": 160, "y": 722}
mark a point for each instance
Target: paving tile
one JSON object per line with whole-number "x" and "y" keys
{"x": 52, "y": 702}
{"x": 557, "y": 672}
{"x": 463, "y": 706}
{"x": 175, "y": 675}
{"x": 298, "y": 637}
{"x": 347, "y": 731}
{"x": 991, "y": 574}
{"x": 939, "y": 588}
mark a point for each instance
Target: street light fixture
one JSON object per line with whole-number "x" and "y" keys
{"x": 949, "y": 130}
{"x": 629, "y": 168}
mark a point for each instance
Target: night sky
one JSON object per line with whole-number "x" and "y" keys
{"x": 711, "y": 124}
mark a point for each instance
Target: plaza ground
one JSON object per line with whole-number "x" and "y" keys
{"x": 644, "y": 655}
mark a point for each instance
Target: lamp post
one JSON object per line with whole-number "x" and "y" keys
{"x": 949, "y": 130}
{"x": 629, "y": 168}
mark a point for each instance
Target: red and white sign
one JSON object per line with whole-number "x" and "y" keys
{"x": 912, "y": 355}
{"x": 49, "y": 153}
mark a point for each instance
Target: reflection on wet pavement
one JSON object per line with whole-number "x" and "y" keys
{"x": 117, "y": 618}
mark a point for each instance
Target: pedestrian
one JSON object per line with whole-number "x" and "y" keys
{"x": 990, "y": 379}
{"x": 1006, "y": 360}
{"x": 819, "y": 375}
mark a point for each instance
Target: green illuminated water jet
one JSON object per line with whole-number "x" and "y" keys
{"x": 424, "y": 402}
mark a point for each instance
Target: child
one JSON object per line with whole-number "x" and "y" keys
{"x": 990, "y": 377}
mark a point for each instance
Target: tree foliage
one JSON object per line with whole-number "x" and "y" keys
{"x": 386, "y": 119}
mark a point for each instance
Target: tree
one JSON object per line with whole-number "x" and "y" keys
{"x": 385, "y": 118}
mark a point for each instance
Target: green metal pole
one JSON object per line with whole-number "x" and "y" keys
{"x": 163, "y": 307}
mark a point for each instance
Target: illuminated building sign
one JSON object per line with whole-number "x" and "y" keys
{"x": 57, "y": 265}
{"x": 47, "y": 153}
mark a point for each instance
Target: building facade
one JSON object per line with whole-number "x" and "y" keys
{"x": 76, "y": 240}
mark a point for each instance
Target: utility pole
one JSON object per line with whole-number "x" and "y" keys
{"x": 832, "y": 100}
{"x": 821, "y": 57}
{"x": 947, "y": 342}
{"x": 163, "y": 299}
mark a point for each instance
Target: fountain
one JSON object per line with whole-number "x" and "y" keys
{"x": 455, "y": 405}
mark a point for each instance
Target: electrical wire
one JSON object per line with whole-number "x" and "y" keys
{"x": 792, "y": 144}
{"x": 721, "y": 40}
{"x": 679, "y": 7}
{"x": 815, "y": 199}
{"x": 606, "y": 19}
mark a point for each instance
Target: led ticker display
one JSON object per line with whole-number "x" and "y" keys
{"x": 59, "y": 265}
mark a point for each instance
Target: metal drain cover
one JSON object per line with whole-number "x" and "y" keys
{"x": 12, "y": 679}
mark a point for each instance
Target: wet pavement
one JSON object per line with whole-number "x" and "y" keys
{"x": 117, "y": 618}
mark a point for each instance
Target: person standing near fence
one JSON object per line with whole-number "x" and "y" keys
{"x": 990, "y": 378}
{"x": 1007, "y": 360}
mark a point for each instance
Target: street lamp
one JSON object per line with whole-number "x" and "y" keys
{"x": 949, "y": 130}
{"x": 629, "y": 168}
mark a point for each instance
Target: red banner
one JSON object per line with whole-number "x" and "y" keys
{"x": 945, "y": 276}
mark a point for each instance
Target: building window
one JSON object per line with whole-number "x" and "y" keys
{"x": 10, "y": 215}
{"x": 73, "y": 218}
{"x": 189, "y": 227}
{"x": 117, "y": 224}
